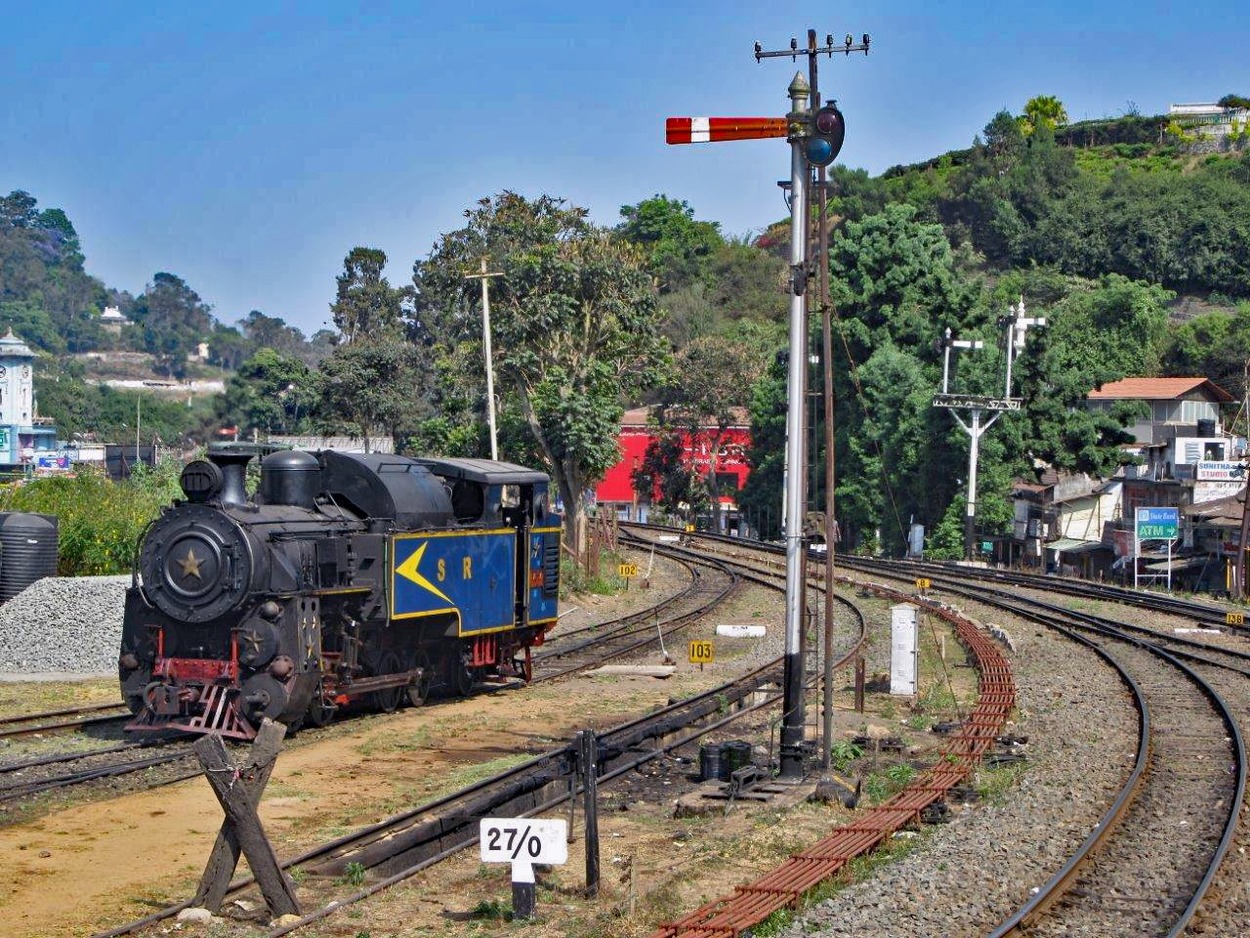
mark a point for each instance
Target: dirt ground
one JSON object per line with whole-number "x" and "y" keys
{"x": 96, "y": 865}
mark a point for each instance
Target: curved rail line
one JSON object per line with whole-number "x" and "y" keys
{"x": 1154, "y": 743}
{"x": 418, "y": 839}
{"x": 1053, "y": 897}
{"x": 785, "y": 886}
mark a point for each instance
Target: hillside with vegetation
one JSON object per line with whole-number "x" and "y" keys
{"x": 1131, "y": 236}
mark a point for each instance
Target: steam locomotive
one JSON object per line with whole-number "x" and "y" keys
{"x": 347, "y": 579}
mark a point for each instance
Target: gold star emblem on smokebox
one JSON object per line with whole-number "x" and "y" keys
{"x": 191, "y": 564}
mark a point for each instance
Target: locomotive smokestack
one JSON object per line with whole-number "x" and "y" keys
{"x": 233, "y": 465}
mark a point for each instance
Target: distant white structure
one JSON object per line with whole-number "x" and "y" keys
{"x": 1209, "y": 120}
{"x": 113, "y": 319}
{"x": 24, "y": 437}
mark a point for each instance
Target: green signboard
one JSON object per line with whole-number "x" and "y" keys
{"x": 1158, "y": 524}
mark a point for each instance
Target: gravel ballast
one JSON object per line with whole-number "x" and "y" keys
{"x": 63, "y": 625}
{"x": 969, "y": 876}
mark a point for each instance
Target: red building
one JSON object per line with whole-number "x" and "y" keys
{"x": 616, "y": 491}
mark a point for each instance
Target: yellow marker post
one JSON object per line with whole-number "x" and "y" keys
{"x": 701, "y": 652}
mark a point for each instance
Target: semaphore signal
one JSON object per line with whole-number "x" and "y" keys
{"x": 718, "y": 129}
{"x": 815, "y": 135}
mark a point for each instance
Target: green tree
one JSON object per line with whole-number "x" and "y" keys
{"x": 708, "y": 392}
{"x": 375, "y": 383}
{"x": 366, "y": 303}
{"x": 172, "y": 320}
{"x": 575, "y": 323}
{"x": 676, "y": 246}
{"x": 271, "y": 393}
{"x": 1045, "y": 110}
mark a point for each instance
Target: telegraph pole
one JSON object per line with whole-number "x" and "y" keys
{"x": 485, "y": 276}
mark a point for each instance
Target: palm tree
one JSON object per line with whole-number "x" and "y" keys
{"x": 1043, "y": 109}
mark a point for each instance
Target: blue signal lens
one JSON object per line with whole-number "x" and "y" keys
{"x": 819, "y": 151}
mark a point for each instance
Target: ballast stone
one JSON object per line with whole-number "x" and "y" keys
{"x": 68, "y": 625}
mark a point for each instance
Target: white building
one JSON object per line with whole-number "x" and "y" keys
{"x": 23, "y": 435}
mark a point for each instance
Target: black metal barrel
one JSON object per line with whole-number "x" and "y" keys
{"x": 28, "y": 551}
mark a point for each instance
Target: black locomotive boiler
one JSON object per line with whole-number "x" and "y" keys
{"x": 346, "y": 578}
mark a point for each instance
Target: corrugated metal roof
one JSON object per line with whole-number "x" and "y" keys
{"x": 1072, "y": 545}
{"x": 1156, "y": 389}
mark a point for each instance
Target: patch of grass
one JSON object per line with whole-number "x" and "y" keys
{"x": 462, "y": 778}
{"x": 992, "y": 784}
{"x": 774, "y": 923}
{"x": 879, "y": 786}
{"x": 493, "y": 910}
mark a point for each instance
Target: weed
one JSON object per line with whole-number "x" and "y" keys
{"x": 843, "y": 753}
{"x": 919, "y": 722}
{"x": 298, "y": 875}
{"x": 992, "y": 784}
{"x": 773, "y": 924}
{"x": 900, "y": 774}
{"x": 354, "y": 873}
{"x": 493, "y": 909}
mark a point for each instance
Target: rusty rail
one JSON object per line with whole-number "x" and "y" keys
{"x": 785, "y": 886}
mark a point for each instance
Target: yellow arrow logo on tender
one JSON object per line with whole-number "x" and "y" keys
{"x": 408, "y": 570}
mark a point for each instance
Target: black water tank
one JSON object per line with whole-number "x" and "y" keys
{"x": 734, "y": 755}
{"x": 709, "y": 763}
{"x": 290, "y": 477}
{"x": 29, "y": 551}
{"x": 1206, "y": 427}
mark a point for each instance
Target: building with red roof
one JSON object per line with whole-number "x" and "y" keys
{"x": 640, "y": 428}
{"x": 1173, "y": 402}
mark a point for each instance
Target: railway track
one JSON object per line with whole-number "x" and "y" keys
{"x": 401, "y": 846}
{"x": 40, "y": 724}
{"x": 1149, "y": 863}
{"x": 1148, "y": 866}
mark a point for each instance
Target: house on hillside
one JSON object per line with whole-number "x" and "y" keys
{"x": 617, "y": 493}
{"x": 1187, "y": 460}
{"x": 1209, "y": 120}
{"x": 113, "y": 320}
{"x": 1171, "y": 403}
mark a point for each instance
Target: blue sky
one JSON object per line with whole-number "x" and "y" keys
{"x": 248, "y": 147}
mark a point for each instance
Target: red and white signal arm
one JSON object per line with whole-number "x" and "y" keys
{"x": 718, "y": 129}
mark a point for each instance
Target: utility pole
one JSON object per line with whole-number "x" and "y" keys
{"x": 485, "y": 276}
{"x": 1017, "y": 325}
{"x": 815, "y": 136}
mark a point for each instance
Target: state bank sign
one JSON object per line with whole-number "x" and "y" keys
{"x": 1158, "y": 524}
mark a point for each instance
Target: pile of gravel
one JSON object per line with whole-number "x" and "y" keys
{"x": 63, "y": 625}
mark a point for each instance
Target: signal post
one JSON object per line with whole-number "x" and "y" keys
{"x": 815, "y": 137}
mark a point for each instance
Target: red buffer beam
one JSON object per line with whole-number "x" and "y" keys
{"x": 717, "y": 129}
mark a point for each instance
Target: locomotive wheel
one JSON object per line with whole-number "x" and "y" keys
{"x": 319, "y": 712}
{"x": 418, "y": 690}
{"x": 463, "y": 677}
{"x": 388, "y": 699}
